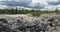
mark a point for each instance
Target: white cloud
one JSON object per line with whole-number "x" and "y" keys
{"x": 3, "y": 6}
{"x": 39, "y": 4}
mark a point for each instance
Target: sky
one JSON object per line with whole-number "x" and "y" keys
{"x": 35, "y": 4}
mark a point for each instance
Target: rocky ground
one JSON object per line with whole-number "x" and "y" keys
{"x": 28, "y": 23}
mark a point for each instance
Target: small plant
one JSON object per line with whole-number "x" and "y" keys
{"x": 35, "y": 14}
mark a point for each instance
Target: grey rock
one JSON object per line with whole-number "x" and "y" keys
{"x": 27, "y": 23}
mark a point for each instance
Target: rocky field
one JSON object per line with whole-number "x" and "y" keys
{"x": 29, "y": 23}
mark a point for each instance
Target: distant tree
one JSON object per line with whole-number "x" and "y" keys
{"x": 11, "y": 11}
{"x": 16, "y": 10}
{"x": 32, "y": 10}
{"x": 3, "y": 11}
{"x": 56, "y": 10}
{"x": 22, "y": 9}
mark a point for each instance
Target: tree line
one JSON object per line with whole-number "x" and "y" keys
{"x": 24, "y": 11}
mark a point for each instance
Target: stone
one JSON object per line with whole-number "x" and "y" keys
{"x": 27, "y": 23}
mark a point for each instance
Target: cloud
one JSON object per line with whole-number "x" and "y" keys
{"x": 16, "y": 3}
{"x": 54, "y": 2}
{"x": 37, "y": 4}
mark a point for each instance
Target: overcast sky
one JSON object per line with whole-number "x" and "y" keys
{"x": 37, "y": 4}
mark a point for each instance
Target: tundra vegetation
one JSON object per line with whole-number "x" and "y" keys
{"x": 25, "y": 11}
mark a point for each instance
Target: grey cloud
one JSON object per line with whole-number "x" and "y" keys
{"x": 14, "y": 3}
{"x": 54, "y": 3}
{"x": 39, "y": 6}
{"x": 23, "y": 3}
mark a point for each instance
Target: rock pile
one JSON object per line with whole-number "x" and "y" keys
{"x": 25, "y": 23}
